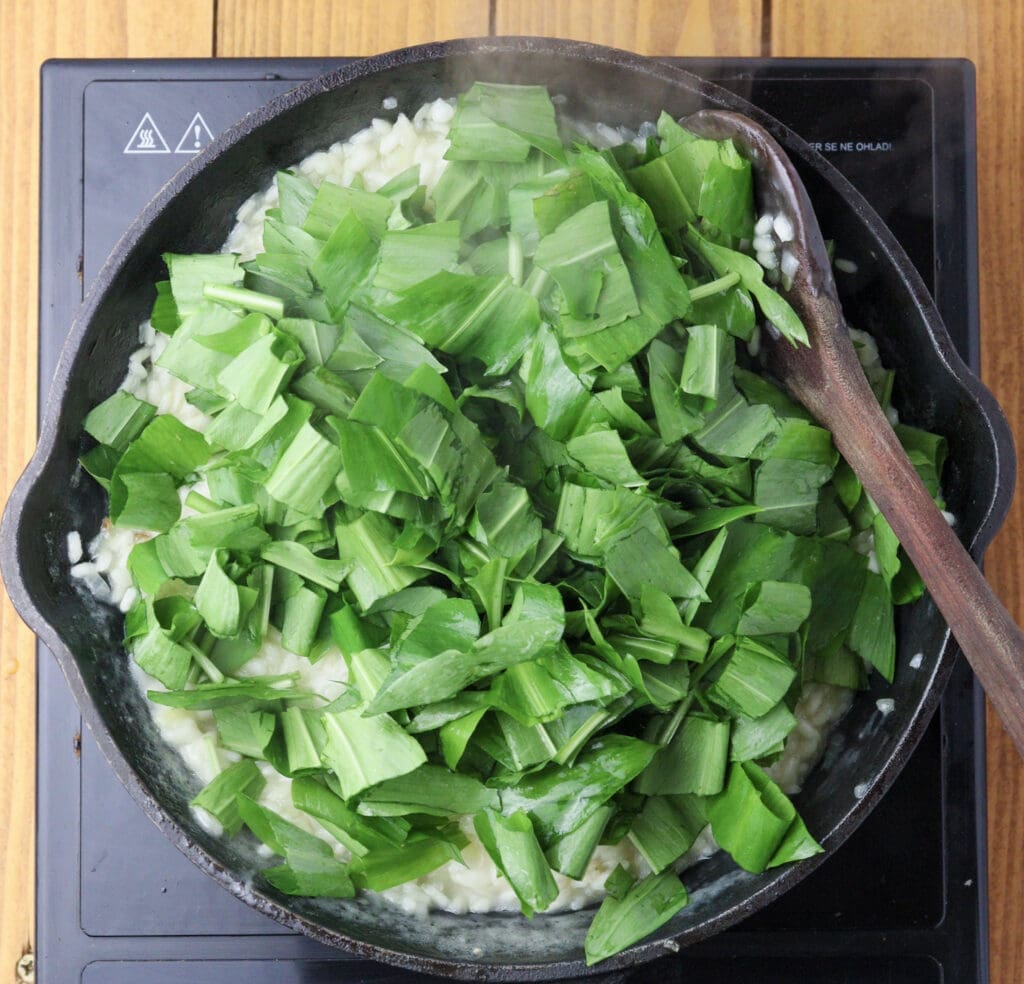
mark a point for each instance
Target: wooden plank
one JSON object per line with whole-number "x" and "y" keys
{"x": 991, "y": 34}
{"x": 875, "y": 28}
{"x": 650, "y": 27}
{"x": 250, "y": 28}
{"x": 34, "y": 32}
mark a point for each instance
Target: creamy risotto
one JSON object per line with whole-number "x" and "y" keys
{"x": 374, "y": 156}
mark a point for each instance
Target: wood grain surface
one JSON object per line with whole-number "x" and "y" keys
{"x": 990, "y": 32}
{"x": 250, "y": 28}
{"x": 650, "y": 27}
{"x": 32, "y": 33}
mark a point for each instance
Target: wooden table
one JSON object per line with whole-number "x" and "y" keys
{"x": 990, "y": 32}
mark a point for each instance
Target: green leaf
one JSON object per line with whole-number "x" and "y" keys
{"x": 244, "y": 731}
{"x": 756, "y": 823}
{"x": 118, "y": 420}
{"x": 730, "y": 310}
{"x": 754, "y": 738}
{"x": 373, "y": 463}
{"x": 695, "y": 761}
{"x": 788, "y": 491}
{"x": 260, "y": 372}
{"x": 144, "y": 501}
{"x": 165, "y": 445}
{"x": 349, "y": 632}
{"x": 801, "y": 441}
{"x": 363, "y": 751}
{"x": 176, "y": 554}
{"x": 368, "y": 544}
{"x": 345, "y": 263}
{"x": 571, "y": 853}
{"x": 704, "y": 570}
{"x": 301, "y": 620}
{"x": 602, "y": 453}
{"x": 399, "y": 349}
{"x": 487, "y": 318}
{"x": 505, "y": 521}
{"x": 642, "y": 559}
{"x": 220, "y": 797}
{"x": 322, "y": 878}
{"x": 429, "y": 789}
{"x": 306, "y": 469}
{"x": 559, "y": 798}
{"x": 195, "y": 353}
{"x": 292, "y": 556}
{"x": 280, "y": 835}
{"x": 723, "y": 260}
{"x": 886, "y": 549}
{"x": 145, "y": 567}
{"x": 334, "y": 204}
{"x": 582, "y": 256}
{"x": 295, "y": 195}
{"x": 496, "y": 122}
{"x": 386, "y": 867}
{"x": 456, "y": 735}
{"x": 555, "y": 396}
{"x": 656, "y": 181}
{"x": 660, "y": 617}
{"x": 676, "y": 412}
{"x": 665, "y": 829}
{"x": 100, "y": 462}
{"x": 538, "y": 207}
{"x": 872, "y": 632}
{"x": 618, "y": 883}
{"x": 753, "y": 553}
{"x": 739, "y": 429}
{"x": 164, "y": 317}
{"x": 593, "y": 520}
{"x": 233, "y": 528}
{"x": 515, "y": 851}
{"x": 754, "y": 680}
{"x": 709, "y": 351}
{"x": 207, "y": 696}
{"x": 536, "y": 626}
{"x": 727, "y": 195}
{"x": 161, "y": 657}
{"x": 620, "y": 923}
{"x": 408, "y": 256}
{"x": 449, "y": 624}
{"x": 358, "y": 834}
{"x": 190, "y": 274}
{"x": 302, "y": 738}
{"x": 775, "y": 608}
{"x": 218, "y": 601}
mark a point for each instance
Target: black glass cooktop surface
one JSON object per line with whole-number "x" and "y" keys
{"x": 903, "y": 901}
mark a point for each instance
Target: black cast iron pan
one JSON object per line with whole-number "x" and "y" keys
{"x": 194, "y": 212}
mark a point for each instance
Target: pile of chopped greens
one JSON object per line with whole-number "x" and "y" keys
{"x": 499, "y": 446}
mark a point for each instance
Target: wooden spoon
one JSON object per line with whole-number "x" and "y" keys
{"x": 827, "y": 379}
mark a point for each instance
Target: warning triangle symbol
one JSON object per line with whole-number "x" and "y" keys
{"x": 196, "y": 136}
{"x": 147, "y": 139}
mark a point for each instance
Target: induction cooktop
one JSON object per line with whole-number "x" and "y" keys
{"x": 903, "y": 901}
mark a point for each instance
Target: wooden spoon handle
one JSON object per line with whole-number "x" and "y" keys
{"x": 987, "y": 634}
{"x": 827, "y": 379}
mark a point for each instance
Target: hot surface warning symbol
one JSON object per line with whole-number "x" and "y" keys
{"x": 196, "y": 136}
{"x": 147, "y": 139}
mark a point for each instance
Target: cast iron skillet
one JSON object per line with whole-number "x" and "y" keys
{"x": 193, "y": 213}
